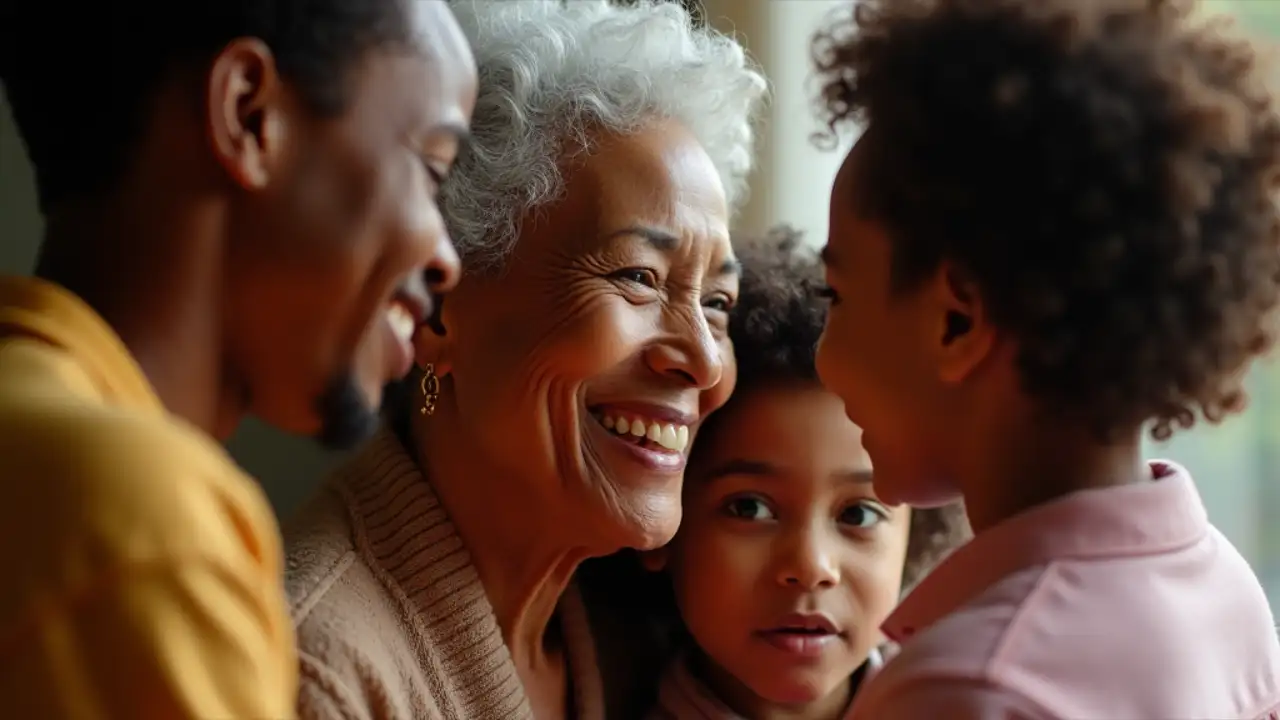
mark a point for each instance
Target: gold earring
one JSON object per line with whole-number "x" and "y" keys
{"x": 430, "y": 389}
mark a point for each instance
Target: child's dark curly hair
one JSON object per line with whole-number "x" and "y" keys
{"x": 775, "y": 329}
{"x": 1103, "y": 171}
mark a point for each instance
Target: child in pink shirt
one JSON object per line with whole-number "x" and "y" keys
{"x": 1058, "y": 231}
{"x": 786, "y": 561}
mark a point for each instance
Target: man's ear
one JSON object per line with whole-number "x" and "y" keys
{"x": 964, "y": 335}
{"x": 432, "y": 340}
{"x": 247, "y": 112}
{"x": 654, "y": 560}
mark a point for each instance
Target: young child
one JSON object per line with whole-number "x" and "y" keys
{"x": 1058, "y": 230}
{"x": 786, "y": 562}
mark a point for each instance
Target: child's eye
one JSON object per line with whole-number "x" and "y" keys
{"x": 748, "y": 508}
{"x": 862, "y": 515}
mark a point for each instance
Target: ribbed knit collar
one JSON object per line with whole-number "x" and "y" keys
{"x": 406, "y": 533}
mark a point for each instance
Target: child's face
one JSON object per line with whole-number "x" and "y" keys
{"x": 786, "y": 563}
{"x": 885, "y": 352}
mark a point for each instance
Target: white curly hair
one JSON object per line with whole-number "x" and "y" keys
{"x": 552, "y": 71}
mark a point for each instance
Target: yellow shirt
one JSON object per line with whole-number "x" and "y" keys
{"x": 140, "y": 569}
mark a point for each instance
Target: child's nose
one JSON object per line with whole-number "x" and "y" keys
{"x": 811, "y": 564}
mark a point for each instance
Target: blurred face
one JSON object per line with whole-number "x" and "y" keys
{"x": 585, "y": 367}
{"x": 786, "y": 563}
{"x": 884, "y": 353}
{"x": 339, "y": 242}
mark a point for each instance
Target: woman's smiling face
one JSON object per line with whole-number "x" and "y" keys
{"x": 586, "y": 366}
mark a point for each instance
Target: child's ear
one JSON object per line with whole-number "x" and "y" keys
{"x": 654, "y": 560}
{"x": 965, "y": 337}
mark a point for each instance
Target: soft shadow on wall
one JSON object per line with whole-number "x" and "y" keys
{"x": 289, "y": 468}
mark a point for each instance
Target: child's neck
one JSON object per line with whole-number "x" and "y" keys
{"x": 1031, "y": 464}
{"x": 745, "y": 703}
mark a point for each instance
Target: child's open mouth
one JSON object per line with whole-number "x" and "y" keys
{"x": 804, "y": 636}
{"x": 801, "y": 643}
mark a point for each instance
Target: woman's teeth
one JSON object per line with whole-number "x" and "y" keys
{"x": 669, "y": 436}
{"x": 401, "y": 321}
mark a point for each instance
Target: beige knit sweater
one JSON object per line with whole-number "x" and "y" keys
{"x": 392, "y": 620}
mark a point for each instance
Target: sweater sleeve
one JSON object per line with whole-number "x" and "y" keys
{"x": 322, "y": 694}
{"x": 171, "y": 640}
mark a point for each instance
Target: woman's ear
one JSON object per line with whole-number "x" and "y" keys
{"x": 654, "y": 560}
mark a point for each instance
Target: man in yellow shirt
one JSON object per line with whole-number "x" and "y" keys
{"x": 240, "y": 219}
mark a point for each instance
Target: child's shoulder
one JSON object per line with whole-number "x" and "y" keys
{"x": 1124, "y": 637}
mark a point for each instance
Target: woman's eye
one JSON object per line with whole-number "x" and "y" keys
{"x": 639, "y": 276}
{"x": 862, "y": 516}
{"x": 721, "y": 303}
{"x": 828, "y": 293}
{"x": 748, "y": 508}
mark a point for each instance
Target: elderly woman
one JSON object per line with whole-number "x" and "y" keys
{"x": 561, "y": 384}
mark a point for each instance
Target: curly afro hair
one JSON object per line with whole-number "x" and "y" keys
{"x": 775, "y": 329}
{"x": 1104, "y": 173}
{"x": 778, "y": 318}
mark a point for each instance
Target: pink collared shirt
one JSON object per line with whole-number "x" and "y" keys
{"x": 1113, "y": 604}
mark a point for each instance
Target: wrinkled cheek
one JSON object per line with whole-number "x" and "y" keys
{"x": 591, "y": 468}
{"x": 583, "y": 458}
{"x": 548, "y": 420}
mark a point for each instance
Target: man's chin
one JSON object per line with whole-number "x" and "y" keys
{"x": 347, "y": 416}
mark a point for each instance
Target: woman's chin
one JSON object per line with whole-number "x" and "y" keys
{"x": 645, "y": 519}
{"x": 660, "y": 526}
{"x": 640, "y": 487}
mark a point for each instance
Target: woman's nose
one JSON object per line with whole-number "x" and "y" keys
{"x": 690, "y": 353}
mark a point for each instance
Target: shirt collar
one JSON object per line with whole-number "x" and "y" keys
{"x": 50, "y": 313}
{"x": 1140, "y": 519}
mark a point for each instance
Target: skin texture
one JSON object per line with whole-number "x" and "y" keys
{"x": 588, "y": 312}
{"x": 878, "y": 352}
{"x": 908, "y": 361}
{"x": 248, "y": 255}
{"x": 780, "y": 517}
